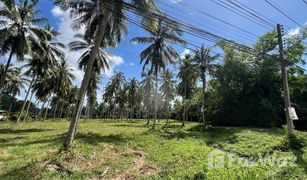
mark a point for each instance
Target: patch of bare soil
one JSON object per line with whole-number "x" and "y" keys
{"x": 4, "y": 154}
{"x": 139, "y": 168}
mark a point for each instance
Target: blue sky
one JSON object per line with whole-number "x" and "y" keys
{"x": 127, "y": 55}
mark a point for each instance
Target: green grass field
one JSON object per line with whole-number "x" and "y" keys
{"x": 129, "y": 150}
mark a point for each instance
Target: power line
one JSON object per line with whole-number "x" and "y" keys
{"x": 213, "y": 25}
{"x": 218, "y": 19}
{"x": 279, "y": 10}
{"x": 241, "y": 13}
{"x": 153, "y": 14}
{"x": 253, "y": 12}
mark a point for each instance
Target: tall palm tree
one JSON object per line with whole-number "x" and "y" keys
{"x": 115, "y": 92}
{"x": 92, "y": 92}
{"x": 18, "y": 30}
{"x": 168, "y": 89}
{"x": 63, "y": 77}
{"x": 132, "y": 96}
{"x": 105, "y": 24}
{"x": 43, "y": 61}
{"x": 187, "y": 75}
{"x": 204, "y": 61}
{"x": 160, "y": 52}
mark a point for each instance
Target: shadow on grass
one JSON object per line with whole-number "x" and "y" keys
{"x": 5, "y": 140}
{"x": 95, "y": 138}
{"x": 19, "y": 131}
{"x": 129, "y": 125}
{"x": 46, "y": 141}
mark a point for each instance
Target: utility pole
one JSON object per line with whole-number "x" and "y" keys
{"x": 285, "y": 80}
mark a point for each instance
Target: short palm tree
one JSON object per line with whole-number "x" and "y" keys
{"x": 168, "y": 89}
{"x": 160, "y": 52}
{"x": 204, "y": 61}
{"x": 19, "y": 30}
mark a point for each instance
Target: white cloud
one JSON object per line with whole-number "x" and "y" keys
{"x": 297, "y": 31}
{"x": 114, "y": 61}
{"x": 131, "y": 64}
{"x": 57, "y": 11}
{"x": 185, "y": 52}
{"x": 175, "y": 1}
{"x": 294, "y": 32}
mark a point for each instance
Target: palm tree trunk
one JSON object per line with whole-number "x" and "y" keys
{"x": 42, "y": 107}
{"x": 2, "y": 79}
{"x": 184, "y": 107}
{"x": 87, "y": 111}
{"x": 74, "y": 121}
{"x": 46, "y": 111}
{"x": 10, "y": 109}
{"x": 61, "y": 111}
{"x": 203, "y": 99}
{"x": 29, "y": 104}
{"x": 25, "y": 101}
{"x": 55, "y": 109}
{"x": 156, "y": 102}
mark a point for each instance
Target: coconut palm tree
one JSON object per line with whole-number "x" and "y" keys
{"x": 132, "y": 96}
{"x": 187, "y": 76}
{"x": 92, "y": 92}
{"x": 168, "y": 89}
{"x": 43, "y": 61}
{"x": 160, "y": 52}
{"x": 101, "y": 63}
{"x": 115, "y": 92}
{"x": 19, "y": 30}
{"x": 105, "y": 24}
{"x": 147, "y": 91}
{"x": 63, "y": 77}
{"x": 204, "y": 61}
{"x": 13, "y": 83}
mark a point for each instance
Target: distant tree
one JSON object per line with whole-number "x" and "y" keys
{"x": 147, "y": 91}
{"x": 168, "y": 89}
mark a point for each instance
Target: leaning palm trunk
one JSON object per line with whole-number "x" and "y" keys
{"x": 55, "y": 109}
{"x": 40, "y": 111}
{"x": 74, "y": 121}
{"x": 47, "y": 108}
{"x": 25, "y": 101}
{"x": 28, "y": 108}
{"x": 2, "y": 79}
{"x": 11, "y": 105}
